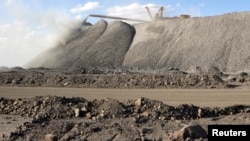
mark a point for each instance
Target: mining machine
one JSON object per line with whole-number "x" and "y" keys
{"x": 158, "y": 15}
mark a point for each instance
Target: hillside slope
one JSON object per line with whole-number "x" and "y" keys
{"x": 221, "y": 42}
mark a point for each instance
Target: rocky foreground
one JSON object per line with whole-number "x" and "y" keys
{"x": 60, "y": 118}
{"x": 54, "y": 118}
{"x": 119, "y": 78}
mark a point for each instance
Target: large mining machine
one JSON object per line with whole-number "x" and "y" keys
{"x": 158, "y": 15}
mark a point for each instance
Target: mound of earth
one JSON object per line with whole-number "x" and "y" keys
{"x": 101, "y": 45}
{"x": 118, "y": 78}
{"x": 61, "y": 118}
{"x": 94, "y": 78}
{"x": 220, "y": 42}
{"x": 205, "y": 42}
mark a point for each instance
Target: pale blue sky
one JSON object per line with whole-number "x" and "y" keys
{"x": 28, "y": 27}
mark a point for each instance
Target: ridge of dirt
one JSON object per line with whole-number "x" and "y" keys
{"x": 116, "y": 79}
{"x": 77, "y": 118}
{"x": 119, "y": 78}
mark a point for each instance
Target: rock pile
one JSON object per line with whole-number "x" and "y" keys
{"x": 46, "y": 110}
{"x": 101, "y": 45}
{"x": 52, "y": 107}
{"x": 100, "y": 79}
{"x": 207, "y": 42}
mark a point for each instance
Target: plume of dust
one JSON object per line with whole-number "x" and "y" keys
{"x": 70, "y": 31}
{"x": 64, "y": 34}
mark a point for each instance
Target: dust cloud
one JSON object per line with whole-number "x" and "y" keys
{"x": 71, "y": 30}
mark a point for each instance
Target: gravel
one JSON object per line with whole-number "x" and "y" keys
{"x": 217, "y": 42}
{"x": 57, "y": 118}
{"x": 206, "y": 42}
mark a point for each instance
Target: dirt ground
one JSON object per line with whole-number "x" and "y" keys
{"x": 126, "y": 106}
{"x": 199, "y": 97}
{"x": 138, "y": 125}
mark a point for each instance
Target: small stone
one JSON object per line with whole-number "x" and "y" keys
{"x": 16, "y": 102}
{"x": 66, "y": 84}
{"x": 94, "y": 118}
{"x": 88, "y": 115}
{"x": 84, "y": 109}
{"x": 162, "y": 118}
{"x": 173, "y": 118}
{"x": 102, "y": 114}
{"x": 200, "y": 113}
{"x": 138, "y": 102}
{"x": 77, "y": 112}
{"x": 50, "y": 137}
{"x": 145, "y": 114}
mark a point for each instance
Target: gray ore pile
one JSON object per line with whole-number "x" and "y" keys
{"x": 206, "y": 42}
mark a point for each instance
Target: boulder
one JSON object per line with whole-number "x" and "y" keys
{"x": 50, "y": 137}
{"x": 188, "y": 132}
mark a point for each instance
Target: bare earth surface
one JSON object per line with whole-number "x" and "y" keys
{"x": 199, "y": 97}
{"x": 105, "y": 104}
{"x": 100, "y": 118}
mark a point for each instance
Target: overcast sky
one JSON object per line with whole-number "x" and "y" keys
{"x": 29, "y": 27}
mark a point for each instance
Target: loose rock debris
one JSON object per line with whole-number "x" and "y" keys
{"x": 60, "y": 118}
{"x": 101, "y": 79}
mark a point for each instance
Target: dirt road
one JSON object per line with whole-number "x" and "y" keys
{"x": 200, "y": 97}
